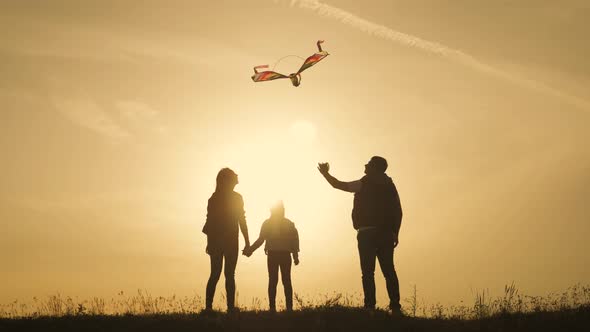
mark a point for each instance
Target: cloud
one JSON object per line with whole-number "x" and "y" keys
{"x": 140, "y": 114}
{"x": 389, "y": 34}
{"x": 94, "y": 42}
{"x": 88, "y": 114}
{"x": 128, "y": 119}
{"x": 135, "y": 110}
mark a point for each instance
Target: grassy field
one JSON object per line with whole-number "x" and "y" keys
{"x": 567, "y": 311}
{"x": 327, "y": 319}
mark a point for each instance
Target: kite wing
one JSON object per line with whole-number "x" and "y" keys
{"x": 267, "y": 75}
{"x": 312, "y": 60}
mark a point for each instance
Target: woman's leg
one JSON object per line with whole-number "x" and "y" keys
{"x": 216, "y": 262}
{"x": 229, "y": 271}
{"x": 273, "y": 280}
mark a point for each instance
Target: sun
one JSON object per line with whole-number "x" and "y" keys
{"x": 277, "y": 166}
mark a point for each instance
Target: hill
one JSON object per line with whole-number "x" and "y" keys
{"x": 318, "y": 319}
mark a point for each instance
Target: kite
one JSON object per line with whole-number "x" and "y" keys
{"x": 295, "y": 78}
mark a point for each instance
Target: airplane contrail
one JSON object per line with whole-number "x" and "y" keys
{"x": 387, "y": 33}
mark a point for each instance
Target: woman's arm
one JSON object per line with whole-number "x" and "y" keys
{"x": 242, "y": 223}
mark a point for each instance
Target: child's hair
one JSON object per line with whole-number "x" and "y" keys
{"x": 277, "y": 210}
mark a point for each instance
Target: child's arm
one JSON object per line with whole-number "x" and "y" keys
{"x": 250, "y": 250}
{"x": 295, "y": 246}
{"x": 255, "y": 246}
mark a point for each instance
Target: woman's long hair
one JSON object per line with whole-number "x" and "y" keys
{"x": 226, "y": 180}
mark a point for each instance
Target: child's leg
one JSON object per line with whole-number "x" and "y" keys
{"x": 286, "y": 278}
{"x": 273, "y": 279}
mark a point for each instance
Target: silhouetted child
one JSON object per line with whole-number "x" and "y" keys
{"x": 282, "y": 240}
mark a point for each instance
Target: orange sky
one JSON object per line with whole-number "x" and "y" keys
{"x": 116, "y": 116}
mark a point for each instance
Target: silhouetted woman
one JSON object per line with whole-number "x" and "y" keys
{"x": 282, "y": 240}
{"x": 225, "y": 214}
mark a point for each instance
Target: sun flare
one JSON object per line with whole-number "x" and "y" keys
{"x": 277, "y": 167}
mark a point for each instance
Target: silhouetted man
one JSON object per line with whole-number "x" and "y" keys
{"x": 377, "y": 216}
{"x": 225, "y": 214}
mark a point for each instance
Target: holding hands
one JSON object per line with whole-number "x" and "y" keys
{"x": 247, "y": 251}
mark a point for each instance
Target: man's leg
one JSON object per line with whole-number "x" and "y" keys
{"x": 231, "y": 260}
{"x": 367, "y": 253}
{"x": 385, "y": 256}
{"x": 216, "y": 264}
{"x": 273, "y": 280}
{"x": 286, "y": 278}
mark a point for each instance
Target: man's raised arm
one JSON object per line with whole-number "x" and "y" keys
{"x": 351, "y": 187}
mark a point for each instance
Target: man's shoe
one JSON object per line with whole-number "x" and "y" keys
{"x": 233, "y": 310}
{"x": 397, "y": 312}
{"x": 208, "y": 311}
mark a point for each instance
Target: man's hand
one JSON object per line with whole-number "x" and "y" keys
{"x": 296, "y": 259}
{"x": 324, "y": 168}
{"x": 395, "y": 240}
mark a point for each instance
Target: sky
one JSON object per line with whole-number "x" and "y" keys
{"x": 115, "y": 118}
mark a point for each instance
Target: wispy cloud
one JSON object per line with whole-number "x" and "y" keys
{"x": 137, "y": 113}
{"x": 88, "y": 114}
{"x": 93, "y": 42}
{"x": 129, "y": 118}
{"x": 392, "y": 35}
